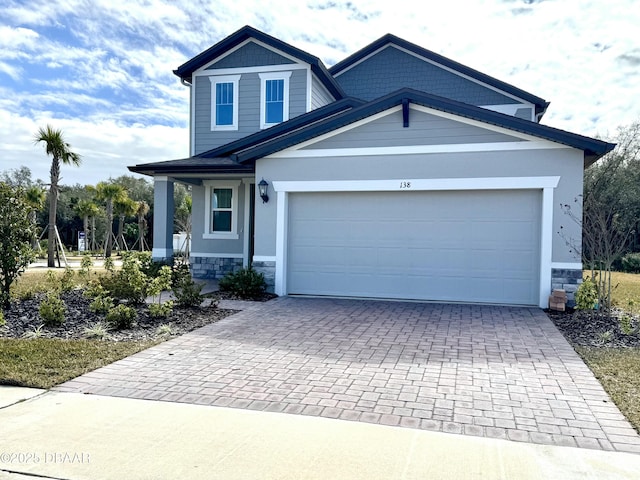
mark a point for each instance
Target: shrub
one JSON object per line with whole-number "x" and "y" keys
{"x": 631, "y": 263}
{"x": 52, "y": 309}
{"x": 587, "y": 295}
{"x": 164, "y": 330}
{"x": 245, "y": 283}
{"x": 185, "y": 289}
{"x": 157, "y": 310}
{"x": 128, "y": 283}
{"x": 85, "y": 267}
{"x": 101, "y": 304}
{"x": 66, "y": 281}
{"x": 3, "y": 322}
{"x": 99, "y": 331}
{"x": 121, "y": 317}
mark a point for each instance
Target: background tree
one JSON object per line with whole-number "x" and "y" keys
{"x": 35, "y": 197}
{"x": 109, "y": 193}
{"x": 182, "y": 220}
{"x": 60, "y": 152}
{"x": 17, "y": 177}
{"x": 141, "y": 212}
{"x": 87, "y": 209}
{"x": 123, "y": 207}
{"x": 16, "y": 230}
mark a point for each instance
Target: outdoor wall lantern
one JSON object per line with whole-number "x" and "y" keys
{"x": 263, "y": 188}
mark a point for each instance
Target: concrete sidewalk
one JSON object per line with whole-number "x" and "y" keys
{"x": 73, "y": 436}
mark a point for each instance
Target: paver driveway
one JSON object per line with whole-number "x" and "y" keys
{"x": 502, "y": 372}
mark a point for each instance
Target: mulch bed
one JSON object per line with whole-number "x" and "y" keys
{"x": 597, "y": 328}
{"x": 23, "y": 317}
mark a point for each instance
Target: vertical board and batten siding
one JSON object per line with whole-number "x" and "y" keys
{"x": 248, "y": 112}
{"x": 391, "y": 69}
{"x": 424, "y": 129}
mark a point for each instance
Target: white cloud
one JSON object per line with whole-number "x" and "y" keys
{"x": 101, "y": 70}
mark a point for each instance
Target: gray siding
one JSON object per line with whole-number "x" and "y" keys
{"x": 201, "y": 245}
{"x": 249, "y": 108}
{"x": 391, "y": 69}
{"x": 319, "y": 95}
{"x": 250, "y": 55}
{"x": 524, "y": 113}
{"x": 564, "y": 162}
{"x": 424, "y": 129}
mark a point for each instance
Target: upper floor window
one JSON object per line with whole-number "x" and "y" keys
{"x": 224, "y": 102}
{"x": 274, "y": 98}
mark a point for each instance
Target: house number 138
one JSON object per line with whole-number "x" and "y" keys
{"x": 405, "y": 184}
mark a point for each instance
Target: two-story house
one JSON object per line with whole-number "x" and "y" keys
{"x": 396, "y": 173}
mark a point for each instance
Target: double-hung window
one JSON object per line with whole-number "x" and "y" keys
{"x": 224, "y": 102}
{"x": 221, "y": 214}
{"x": 274, "y": 98}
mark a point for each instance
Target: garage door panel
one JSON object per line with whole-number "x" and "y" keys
{"x": 449, "y": 246}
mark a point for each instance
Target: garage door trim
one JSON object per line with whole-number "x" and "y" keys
{"x": 546, "y": 184}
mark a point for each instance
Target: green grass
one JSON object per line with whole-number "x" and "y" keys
{"x": 625, "y": 288}
{"x": 619, "y": 372}
{"x": 44, "y": 362}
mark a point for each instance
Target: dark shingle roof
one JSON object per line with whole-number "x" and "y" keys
{"x": 541, "y": 104}
{"x": 317, "y": 67}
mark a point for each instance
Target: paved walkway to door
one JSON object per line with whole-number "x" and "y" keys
{"x": 502, "y": 372}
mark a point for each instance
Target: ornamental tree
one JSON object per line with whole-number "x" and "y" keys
{"x": 16, "y": 231}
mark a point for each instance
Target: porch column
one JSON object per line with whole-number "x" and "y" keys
{"x": 163, "y": 211}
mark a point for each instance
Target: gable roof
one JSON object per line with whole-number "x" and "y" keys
{"x": 240, "y": 156}
{"x": 389, "y": 39}
{"x": 223, "y": 160}
{"x": 592, "y": 148}
{"x": 186, "y": 70}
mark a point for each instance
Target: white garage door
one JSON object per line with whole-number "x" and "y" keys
{"x": 471, "y": 246}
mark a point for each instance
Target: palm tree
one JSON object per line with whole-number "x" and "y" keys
{"x": 124, "y": 207}
{"x": 141, "y": 211}
{"x": 87, "y": 209}
{"x": 109, "y": 193}
{"x": 35, "y": 198}
{"x": 60, "y": 151}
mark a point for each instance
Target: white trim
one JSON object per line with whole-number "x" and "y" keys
{"x": 432, "y": 62}
{"x": 567, "y": 265}
{"x": 419, "y": 184}
{"x": 547, "y": 184}
{"x": 161, "y": 178}
{"x": 192, "y": 115}
{"x": 207, "y": 68}
{"x": 418, "y": 149}
{"x": 233, "y": 185}
{"x": 215, "y": 255}
{"x": 256, "y": 69}
{"x": 247, "y": 228}
{"x": 282, "y": 218}
{"x": 284, "y": 76}
{"x": 235, "y": 81}
{"x": 546, "y": 246}
{"x": 264, "y": 258}
{"x": 309, "y": 105}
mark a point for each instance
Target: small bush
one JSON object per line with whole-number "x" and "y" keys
{"x": 121, "y": 317}
{"x": 52, "y": 310}
{"x": 3, "y": 322}
{"x": 85, "y": 267}
{"x": 101, "y": 304}
{"x": 245, "y": 283}
{"x": 625, "y": 325}
{"x": 164, "y": 330}
{"x": 98, "y": 331}
{"x": 187, "y": 293}
{"x": 67, "y": 280}
{"x": 35, "y": 333}
{"x": 158, "y": 310}
{"x": 631, "y": 263}
{"x": 587, "y": 295}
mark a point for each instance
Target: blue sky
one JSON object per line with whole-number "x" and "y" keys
{"x": 101, "y": 70}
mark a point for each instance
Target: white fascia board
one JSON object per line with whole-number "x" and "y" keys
{"x": 417, "y": 149}
{"x": 239, "y": 46}
{"x": 418, "y": 184}
{"x": 439, "y": 65}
